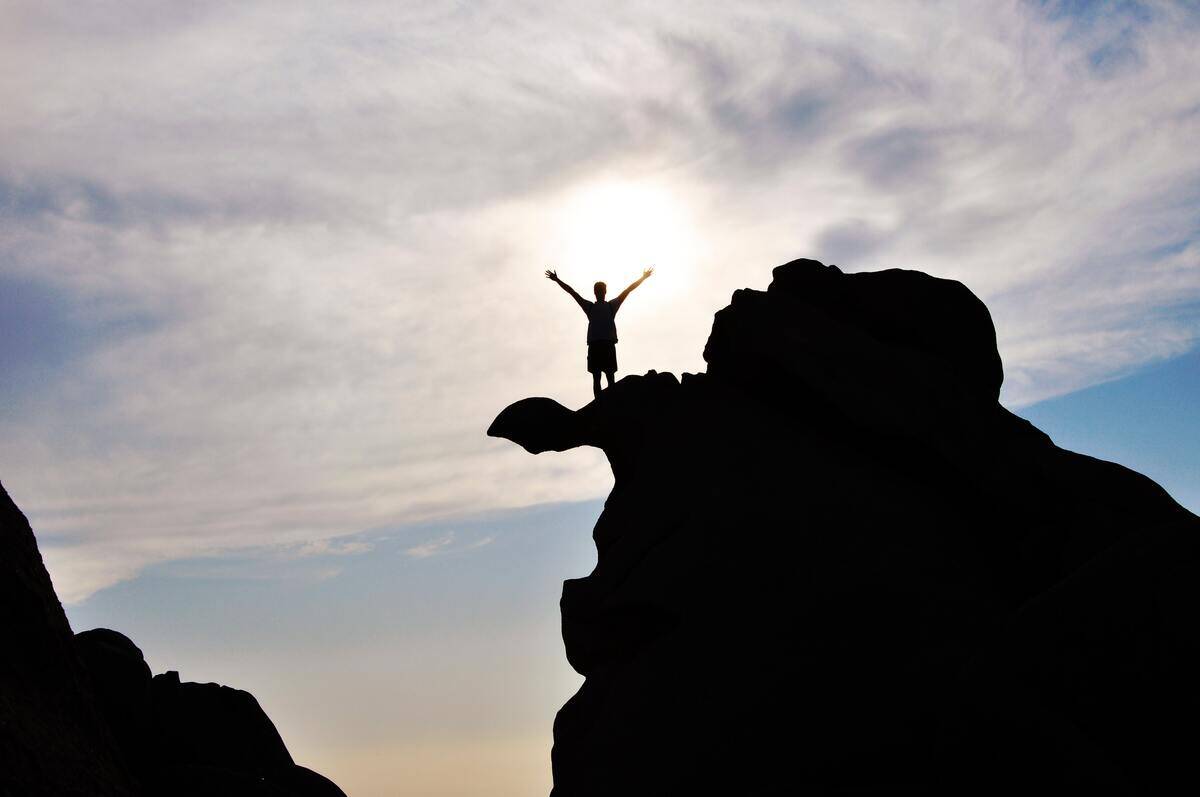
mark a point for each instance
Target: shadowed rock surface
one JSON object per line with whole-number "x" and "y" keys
{"x": 835, "y": 564}
{"x": 81, "y": 715}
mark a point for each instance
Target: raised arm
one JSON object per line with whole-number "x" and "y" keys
{"x": 553, "y": 277}
{"x": 645, "y": 275}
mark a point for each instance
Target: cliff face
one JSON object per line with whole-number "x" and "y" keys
{"x": 81, "y": 716}
{"x": 835, "y": 561}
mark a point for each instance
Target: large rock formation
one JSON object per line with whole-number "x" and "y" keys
{"x": 835, "y": 564}
{"x": 81, "y": 716}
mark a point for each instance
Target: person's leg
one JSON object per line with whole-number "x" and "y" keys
{"x": 611, "y": 376}
{"x": 596, "y": 384}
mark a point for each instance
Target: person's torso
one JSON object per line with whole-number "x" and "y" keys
{"x": 602, "y": 322}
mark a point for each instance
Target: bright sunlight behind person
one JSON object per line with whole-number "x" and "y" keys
{"x": 614, "y": 229}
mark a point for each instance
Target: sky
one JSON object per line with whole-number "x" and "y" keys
{"x": 269, "y": 269}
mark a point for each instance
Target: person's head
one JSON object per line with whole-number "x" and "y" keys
{"x": 600, "y": 288}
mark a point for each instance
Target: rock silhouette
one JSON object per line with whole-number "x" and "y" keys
{"x": 53, "y": 739}
{"x": 82, "y": 715}
{"x": 834, "y": 563}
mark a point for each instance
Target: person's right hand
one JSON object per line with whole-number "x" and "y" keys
{"x": 552, "y": 275}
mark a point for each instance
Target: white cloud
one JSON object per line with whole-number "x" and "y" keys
{"x": 431, "y": 547}
{"x": 445, "y": 543}
{"x": 310, "y": 239}
{"x": 333, "y": 548}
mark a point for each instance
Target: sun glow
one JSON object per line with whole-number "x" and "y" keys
{"x": 611, "y": 231}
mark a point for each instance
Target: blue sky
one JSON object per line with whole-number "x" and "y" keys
{"x": 268, "y": 270}
{"x": 1146, "y": 421}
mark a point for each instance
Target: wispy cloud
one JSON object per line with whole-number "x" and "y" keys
{"x": 290, "y": 254}
{"x": 431, "y": 547}
{"x": 446, "y": 543}
{"x": 333, "y": 548}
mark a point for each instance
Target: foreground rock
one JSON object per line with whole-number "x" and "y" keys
{"x": 53, "y": 740}
{"x": 835, "y": 563}
{"x": 81, "y": 715}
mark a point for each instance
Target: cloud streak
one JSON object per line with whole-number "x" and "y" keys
{"x": 446, "y": 543}
{"x": 299, "y": 249}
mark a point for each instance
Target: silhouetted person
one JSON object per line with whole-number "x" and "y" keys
{"x": 602, "y": 326}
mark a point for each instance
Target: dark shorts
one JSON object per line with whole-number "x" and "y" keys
{"x": 602, "y": 358}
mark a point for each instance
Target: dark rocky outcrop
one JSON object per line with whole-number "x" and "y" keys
{"x": 53, "y": 740}
{"x": 81, "y": 715}
{"x": 834, "y": 563}
{"x": 184, "y": 738}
